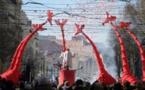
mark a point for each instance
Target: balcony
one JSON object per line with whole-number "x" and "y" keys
{"x": 11, "y": 1}
{"x": 14, "y": 1}
{"x": 3, "y": 13}
{"x": 11, "y": 16}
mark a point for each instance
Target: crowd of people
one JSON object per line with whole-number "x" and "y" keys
{"x": 43, "y": 83}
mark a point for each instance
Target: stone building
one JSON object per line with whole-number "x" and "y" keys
{"x": 30, "y": 56}
{"x": 84, "y": 57}
{"x": 12, "y": 32}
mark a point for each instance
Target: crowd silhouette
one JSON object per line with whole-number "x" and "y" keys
{"x": 43, "y": 83}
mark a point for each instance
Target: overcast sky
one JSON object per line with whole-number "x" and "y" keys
{"x": 94, "y": 12}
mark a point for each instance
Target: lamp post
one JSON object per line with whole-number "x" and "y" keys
{"x": 32, "y": 68}
{"x": 42, "y": 64}
{"x": 51, "y": 72}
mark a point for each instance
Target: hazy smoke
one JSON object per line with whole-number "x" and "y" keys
{"x": 108, "y": 58}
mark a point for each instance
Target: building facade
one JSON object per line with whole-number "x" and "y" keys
{"x": 30, "y": 56}
{"x": 12, "y": 32}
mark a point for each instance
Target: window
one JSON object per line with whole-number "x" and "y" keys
{"x": 36, "y": 44}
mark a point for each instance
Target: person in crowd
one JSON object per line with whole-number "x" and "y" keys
{"x": 21, "y": 86}
{"x": 3, "y": 84}
{"x": 35, "y": 85}
{"x": 28, "y": 86}
{"x": 53, "y": 86}
{"x": 9, "y": 85}
{"x": 64, "y": 82}
{"x": 117, "y": 86}
{"x": 87, "y": 85}
{"x": 66, "y": 85}
{"x": 98, "y": 86}
{"x": 43, "y": 84}
{"x": 126, "y": 85}
{"x": 139, "y": 86}
{"x": 59, "y": 87}
{"x": 72, "y": 87}
{"x": 79, "y": 85}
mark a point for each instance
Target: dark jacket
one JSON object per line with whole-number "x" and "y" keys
{"x": 79, "y": 88}
{"x": 43, "y": 87}
{"x": 65, "y": 87}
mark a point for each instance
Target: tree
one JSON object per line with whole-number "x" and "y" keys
{"x": 131, "y": 13}
{"x": 132, "y": 51}
{"x": 141, "y": 10}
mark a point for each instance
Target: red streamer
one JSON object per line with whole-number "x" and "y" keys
{"x": 37, "y": 25}
{"x": 62, "y": 31}
{"x": 111, "y": 18}
{"x": 50, "y": 15}
{"x": 142, "y": 53}
{"x": 127, "y": 75}
{"x": 13, "y": 72}
{"x": 79, "y": 30}
{"x": 104, "y": 76}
